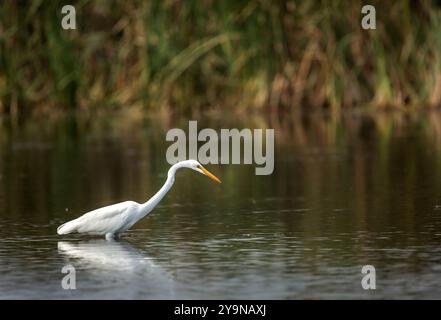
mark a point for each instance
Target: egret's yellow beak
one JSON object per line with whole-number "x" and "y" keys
{"x": 210, "y": 175}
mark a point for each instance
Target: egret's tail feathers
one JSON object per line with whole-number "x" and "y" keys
{"x": 67, "y": 227}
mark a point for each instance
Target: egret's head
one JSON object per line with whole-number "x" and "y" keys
{"x": 195, "y": 165}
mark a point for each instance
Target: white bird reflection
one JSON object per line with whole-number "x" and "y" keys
{"x": 111, "y": 265}
{"x": 107, "y": 255}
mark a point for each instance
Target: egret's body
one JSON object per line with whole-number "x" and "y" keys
{"x": 115, "y": 219}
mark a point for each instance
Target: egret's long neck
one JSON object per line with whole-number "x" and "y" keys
{"x": 153, "y": 201}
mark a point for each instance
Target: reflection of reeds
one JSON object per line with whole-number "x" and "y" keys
{"x": 335, "y": 175}
{"x": 193, "y": 55}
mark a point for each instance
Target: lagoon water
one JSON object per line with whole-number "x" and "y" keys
{"x": 347, "y": 192}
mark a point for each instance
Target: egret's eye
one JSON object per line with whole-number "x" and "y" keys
{"x": 199, "y": 167}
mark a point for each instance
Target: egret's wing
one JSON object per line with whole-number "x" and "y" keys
{"x": 100, "y": 221}
{"x": 104, "y": 220}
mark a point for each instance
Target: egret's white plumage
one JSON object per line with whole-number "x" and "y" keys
{"x": 115, "y": 219}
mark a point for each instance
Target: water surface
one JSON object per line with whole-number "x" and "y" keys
{"x": 347, "y": 192}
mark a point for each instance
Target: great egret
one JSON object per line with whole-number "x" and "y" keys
{"x": 115, "y": 219}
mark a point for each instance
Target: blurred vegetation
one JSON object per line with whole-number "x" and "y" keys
{"x": 197, "y": 55}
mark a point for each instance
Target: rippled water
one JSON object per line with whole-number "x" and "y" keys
{"x": 360, "y": 191}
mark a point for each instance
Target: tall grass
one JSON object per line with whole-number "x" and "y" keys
{"x": 193, "y": 55}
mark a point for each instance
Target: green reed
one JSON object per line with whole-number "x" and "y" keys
{"x": 200, "y": 55}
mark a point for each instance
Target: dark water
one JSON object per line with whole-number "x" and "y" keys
{"x": 346, "y": 192}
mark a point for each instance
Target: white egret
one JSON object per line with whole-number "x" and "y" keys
{"x": 115, "y": 219}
